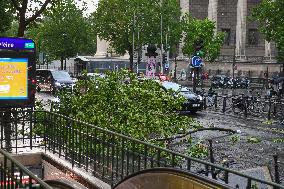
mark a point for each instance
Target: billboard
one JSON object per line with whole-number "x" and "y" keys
{"x": 13, "y": 78}
{"x": 17, "y": 72}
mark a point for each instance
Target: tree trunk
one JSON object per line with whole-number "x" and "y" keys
{"x": 21, "y": 30}
{"x": 65, "y": 64}
{"x": 130, "y": 59}
{"x": 22, "y": 22}
{"x": 175, "y": 70}
{"x": 61, "y": 60}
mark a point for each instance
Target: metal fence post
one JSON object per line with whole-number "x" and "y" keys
{"x": 216, "y": 102}
{"x": 245, "y": 101}
{"x": 224, "y": 104}
{"x": 204, "y": 103}
{"x": 269, "y": 109}
{"x": 276, "y": 170}
{"x": 211, "y": 158}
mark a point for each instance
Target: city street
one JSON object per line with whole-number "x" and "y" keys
{"x": 252, "y": 147}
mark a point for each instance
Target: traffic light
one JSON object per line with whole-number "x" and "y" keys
{"x": 164, "y": 61}
{"x": 200, "y": 53}
{"x": 198, "y": 46}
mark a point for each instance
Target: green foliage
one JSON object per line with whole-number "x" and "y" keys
{"x": 270, "y": 16}
{"x": 64, "y": 31}
{"x": 253, "y": 140}
{"x": 27, "y": 12}
{"x": 5, "y": 15}
{"x": 140, "y": 109}
{"x": 201, "y": 30}
{"x": 198, "y": 150}
{"x": 268, "y": 122}
{"x": 278, "y": 140}
{"x": 235, "y": 138}
{"x": 117, "y": 20}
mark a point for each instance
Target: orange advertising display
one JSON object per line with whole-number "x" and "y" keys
{"x": 13, "y": 78}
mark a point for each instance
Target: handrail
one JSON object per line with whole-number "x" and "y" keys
{"x": 25, "y": 170}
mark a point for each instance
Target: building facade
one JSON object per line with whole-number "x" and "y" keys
{"x": 254, "y": 55}
{"x": 233, "y": 18}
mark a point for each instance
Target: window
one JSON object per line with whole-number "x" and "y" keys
{"x": 227, "y": 36}
{"x": 253, "y": 37}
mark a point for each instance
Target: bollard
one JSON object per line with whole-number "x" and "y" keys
{"x": 275, "y": 107}
{"x": 211, "y": 159}
{"x": 224, "y": 104}
{"x": 269, "y": 109}
{"x": 215, "y": 102}
{"x": 204, "y": 103}
{"x": 245, "y": 101}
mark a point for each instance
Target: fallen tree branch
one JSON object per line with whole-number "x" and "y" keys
{"x": 194, "y": 131}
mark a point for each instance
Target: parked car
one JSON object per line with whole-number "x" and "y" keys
{"x": 53, "y": 80}
{"x": 193, "y": 101}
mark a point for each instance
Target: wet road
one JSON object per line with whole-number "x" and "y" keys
{"x": 253, "y": 146}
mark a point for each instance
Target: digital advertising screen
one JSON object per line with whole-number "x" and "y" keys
{"x": 17, "y": 72}
{"x": 13, "y": 78}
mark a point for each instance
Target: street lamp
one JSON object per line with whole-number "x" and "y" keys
{"x": 234, "y": 64}
{"x": 64, "y": 38}
{"x": 161, "y": 6}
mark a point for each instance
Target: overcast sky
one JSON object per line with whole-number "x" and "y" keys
{"x": 91, "y": 4}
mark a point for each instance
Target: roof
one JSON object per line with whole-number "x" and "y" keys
{"x": 82, "y": 58}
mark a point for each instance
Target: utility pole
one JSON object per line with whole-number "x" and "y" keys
{"x": 234, "y": 64}
{"x": 138, "y": 51}
{"x": 161, "y": 36}
{"x": 133, "y": 36}
{"x": 167, "y": 50}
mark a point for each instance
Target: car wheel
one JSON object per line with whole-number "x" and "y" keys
{"x": 38, "y": 89}
{"x": 52, "y": 90}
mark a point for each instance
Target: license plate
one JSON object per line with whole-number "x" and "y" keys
{"x": 195, "y": 105}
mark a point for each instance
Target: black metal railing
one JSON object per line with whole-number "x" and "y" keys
{"x": 14, "y": 175}
{"x": 246, "y": 106}
{"x": 111, "y": 156}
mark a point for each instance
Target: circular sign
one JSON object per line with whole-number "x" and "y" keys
{"x": 196, "y": 61}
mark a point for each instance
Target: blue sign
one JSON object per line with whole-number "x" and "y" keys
{"x": 167, "y": 65}
{"x": 196, "y": 61}
{"x": 16, "y": 44}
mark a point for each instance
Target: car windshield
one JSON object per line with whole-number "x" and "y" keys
{"x": 175, "y": 87}
{"x": 61, "y": 75}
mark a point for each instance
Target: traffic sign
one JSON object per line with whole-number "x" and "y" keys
{"x": 167, "y": 65}
{"x": 196, "y": 61}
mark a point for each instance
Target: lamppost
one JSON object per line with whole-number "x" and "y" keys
{"x": 65, "y": 54}
{"x": 234, "y": 64}
{"x": 161, "y": 60}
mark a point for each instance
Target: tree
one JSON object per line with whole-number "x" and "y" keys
{"x": 117, "y": 20}
{"x": 64, "y": 32}
{"x": 139, "y": 109}
{"x": 270, "y": 16}
{"x": 200, "y": 35}
{"x": 5, "y": 15}
{"x": 24, "y": 7}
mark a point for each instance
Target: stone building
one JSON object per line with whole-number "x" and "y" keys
{"x": 254, "y": 55}
{"x": 232, "y": 18}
